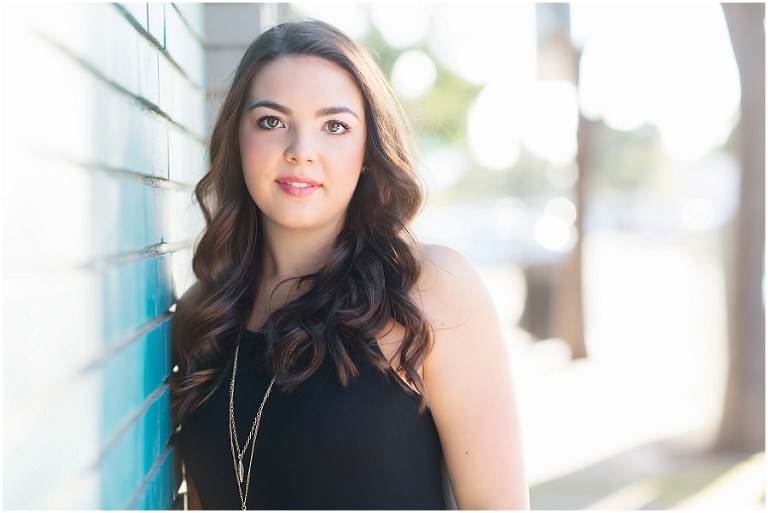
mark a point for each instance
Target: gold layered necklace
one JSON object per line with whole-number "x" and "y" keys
{"x": 237, "y": 453}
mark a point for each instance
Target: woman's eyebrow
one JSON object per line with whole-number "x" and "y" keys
{"x": 328, "y": 111}
{"x": 272, "y": 105}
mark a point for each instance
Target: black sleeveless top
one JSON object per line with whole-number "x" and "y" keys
{"x": 321, "y": 446}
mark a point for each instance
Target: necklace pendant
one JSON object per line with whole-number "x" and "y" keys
{"x": 240, "y": 470}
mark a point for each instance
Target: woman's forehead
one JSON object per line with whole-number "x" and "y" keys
{"x": 305, "y": 80}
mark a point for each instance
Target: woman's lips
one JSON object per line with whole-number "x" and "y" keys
{"x": 297, "y": 186}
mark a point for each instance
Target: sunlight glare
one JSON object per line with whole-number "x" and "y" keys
{"x": 495, "y": 42}
{"x": 494, "y": 126}
{"x": 554, "y": 234}
{"x": 551, "y": 121}
{"x": 555, "y": 230}
{"x": 400, "y": 25}
{"x": 413, "y": 74}
{"x": 666, "y": 64}
{"x": 561, "y": 207}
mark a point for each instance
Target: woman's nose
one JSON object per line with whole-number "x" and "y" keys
{"x": 301, "y": 148}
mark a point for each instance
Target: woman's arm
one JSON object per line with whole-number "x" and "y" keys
{"x": 469, "y": 387}
{"x": 193, "y": 500}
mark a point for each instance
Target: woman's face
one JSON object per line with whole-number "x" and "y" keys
{"x": 302, "y": 142}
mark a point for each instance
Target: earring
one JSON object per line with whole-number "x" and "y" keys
{"x": 364, "y": 170}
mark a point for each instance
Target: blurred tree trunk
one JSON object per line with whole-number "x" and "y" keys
{"x": 569, "y": 311}
{"x": 558, "y": 59}
{"x": 743, "y": 422}
{"x": 568, "y": 308}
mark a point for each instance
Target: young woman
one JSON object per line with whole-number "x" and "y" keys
{"x": 327, "y": 360}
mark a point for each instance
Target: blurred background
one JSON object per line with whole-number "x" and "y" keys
{"x": 603, "y": 165}
{"x": 594, "y": 161}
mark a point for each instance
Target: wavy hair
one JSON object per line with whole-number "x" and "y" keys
{"x": 357, "y": 293}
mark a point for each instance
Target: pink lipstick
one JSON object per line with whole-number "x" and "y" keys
{"x": 297, "y": 186}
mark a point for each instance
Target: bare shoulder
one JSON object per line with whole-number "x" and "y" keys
{"x": 444, "y": 258}
{"x": 450, "y": 289}
{"x": 467, "y": 329}
{"x": 468, "y": 384}
{"x": 443, "y": 293}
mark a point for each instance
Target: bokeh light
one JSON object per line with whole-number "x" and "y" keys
{"x": 648, "y": 63}
{"x": 399, "y": 30}
{"x": 551, "y": 120}
{"x": 495, "y": 42}
{"x": 494, "y": 125}
{"x": 554, "y": 234}
{"x": 413, "y": 74}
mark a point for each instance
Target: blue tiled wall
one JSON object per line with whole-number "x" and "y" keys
{"x": 104, "y": 105}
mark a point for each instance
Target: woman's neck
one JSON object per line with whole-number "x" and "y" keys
{"x": 291, "y": 253}
{"x": 287, "y": 254}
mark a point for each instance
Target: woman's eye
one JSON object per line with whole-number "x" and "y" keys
{"x": 337, "y": 127}
{"x": 270, "y": 122}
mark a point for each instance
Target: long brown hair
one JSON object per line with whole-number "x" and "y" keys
{"x": 362, "y": 288}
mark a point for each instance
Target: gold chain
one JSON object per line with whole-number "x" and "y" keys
{"x": 237, "y": 453}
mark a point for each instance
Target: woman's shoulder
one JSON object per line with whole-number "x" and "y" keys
{"x": 449, "y": 288}
{"x": 442, "y": 264}
{"x": 468, "y": 383}
{"x": 438, "y": 254}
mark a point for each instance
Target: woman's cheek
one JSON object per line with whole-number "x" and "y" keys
{"x": 253, "y": 152}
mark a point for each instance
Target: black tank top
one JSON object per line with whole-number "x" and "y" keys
{"x": 321, "y": 446}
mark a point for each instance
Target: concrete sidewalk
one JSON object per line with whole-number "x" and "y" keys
{"x": 659, "y": 476}
{"x": 599, "y": 436}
